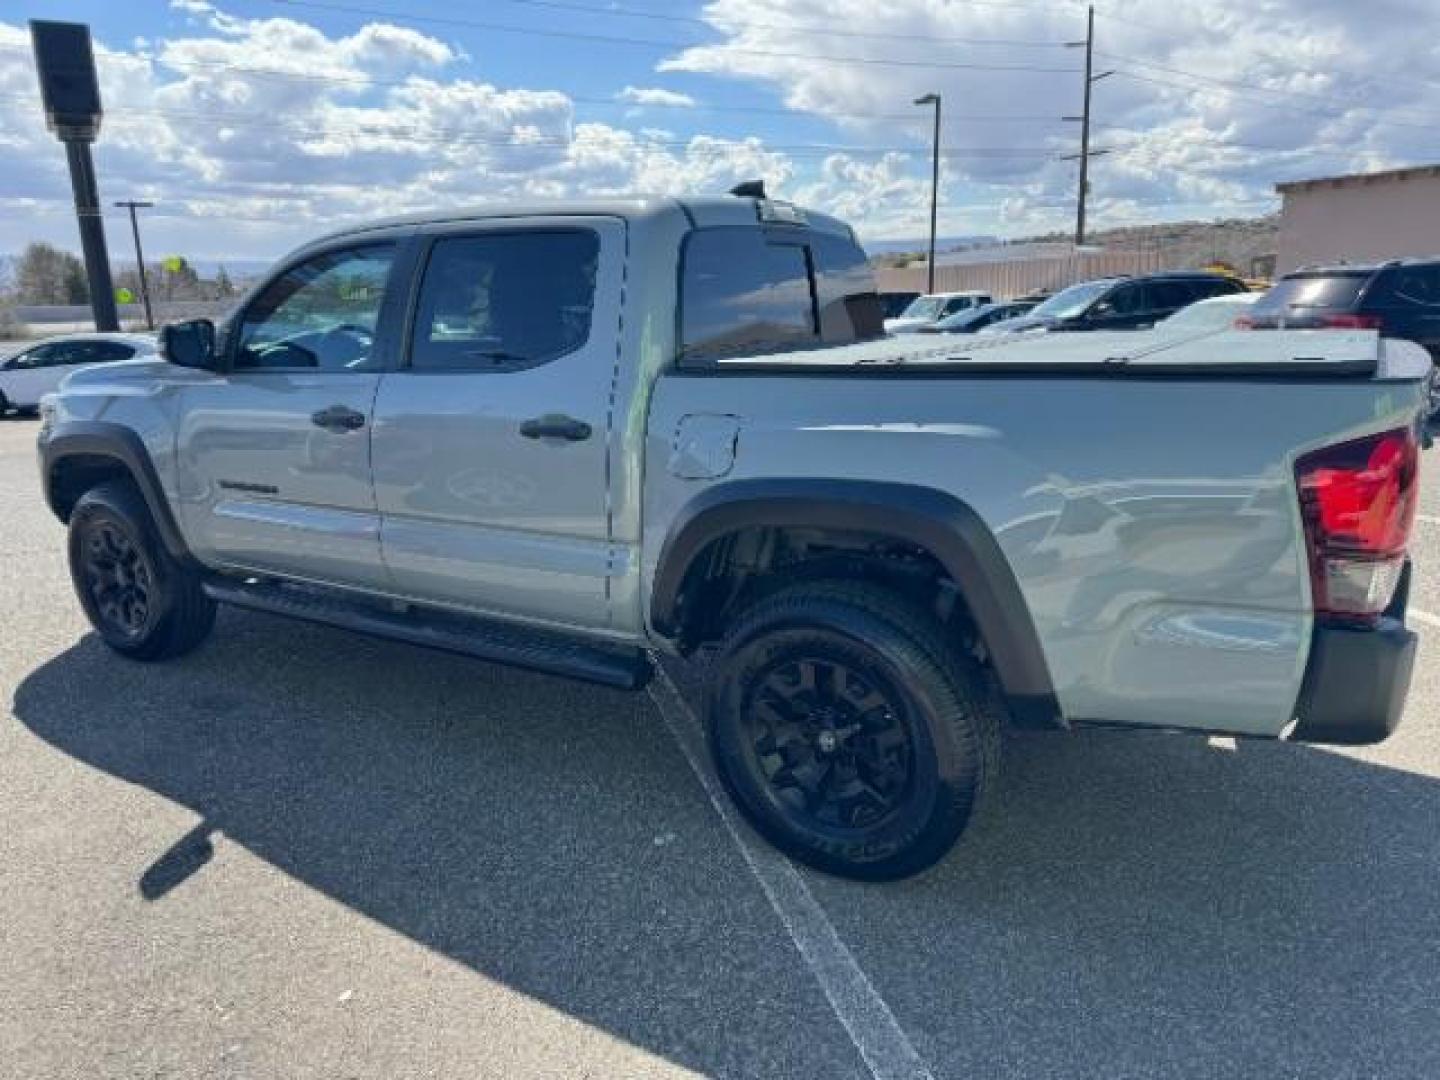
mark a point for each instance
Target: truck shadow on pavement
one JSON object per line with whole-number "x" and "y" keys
{"x": 1128, "y": 905}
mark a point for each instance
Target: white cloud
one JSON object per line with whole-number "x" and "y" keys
{"x": 256, "y": 133}
{"x": 654, "y": 95}
{"x": 1175, "y": 141}
{"x": 253, "y": 133}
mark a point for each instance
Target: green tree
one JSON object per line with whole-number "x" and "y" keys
{"x": 47, "y": 275}
{"x": 224, "y": 287}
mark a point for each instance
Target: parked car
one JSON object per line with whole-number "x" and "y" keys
{"x": 893, "y": 304}
{"x": 1124, "y": 303}
{"x": 1400, "y": 299}
{"x": 564, "y": 437}
{"x": 924, "y": 310}
{"x": 28, "y": 376}
{"x": 1215, "y": 313}
{"x": 973, "y": 320}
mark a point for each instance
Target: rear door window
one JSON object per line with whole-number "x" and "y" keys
{"x": 505, "y": 300}
{"x": 1168, "y": 296}
{"x": 1417, "y": 286}
{"x": 91, "y": 352}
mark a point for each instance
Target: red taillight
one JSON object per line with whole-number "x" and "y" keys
{"x": 1358, "y": 501}
{"x": 1244, "y": 322}
{"x": 1343, "y": 321}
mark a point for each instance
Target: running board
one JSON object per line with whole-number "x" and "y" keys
{"x": 502, "y": 643}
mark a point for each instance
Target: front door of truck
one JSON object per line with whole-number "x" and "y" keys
{"x": 492, "y": 441}
{"x": 273, "y": 456}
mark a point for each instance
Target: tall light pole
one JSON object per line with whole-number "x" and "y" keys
{"x": 1084, "y": 118}
{"x": 132, "y": 205}
{"x": 933, "y": 99}
{"x": 70, "y": 93}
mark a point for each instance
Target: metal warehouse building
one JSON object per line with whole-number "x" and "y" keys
{"x": 1368, "y": 217}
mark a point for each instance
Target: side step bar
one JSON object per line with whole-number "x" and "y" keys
{"x": 502, "y": 643}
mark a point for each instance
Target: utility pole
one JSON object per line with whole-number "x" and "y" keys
{"x": 1084, "y": 119}
{"x": 933, "y": 99}
{"x": 132, "y": 205}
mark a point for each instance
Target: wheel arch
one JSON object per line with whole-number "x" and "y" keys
{"x": 76, "y": 455}
{"x": 941, "y": 526}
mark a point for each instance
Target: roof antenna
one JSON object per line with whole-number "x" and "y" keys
{"x": 749, "y": 189}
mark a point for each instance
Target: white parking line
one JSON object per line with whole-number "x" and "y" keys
{"x": 872, "y": 1027}
{"x": 1424, "y": 617}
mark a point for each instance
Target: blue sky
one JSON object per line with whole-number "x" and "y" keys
{"x": 256, "y": 123}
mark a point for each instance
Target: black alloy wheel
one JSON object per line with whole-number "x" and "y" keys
{"x": 835, "y": 745}
{"x": 119, "y": 579}
{"x": 144, "y": 602}
{"x": 852, "y": 727}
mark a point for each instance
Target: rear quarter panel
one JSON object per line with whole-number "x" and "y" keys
{"x": 1152, "y": 523}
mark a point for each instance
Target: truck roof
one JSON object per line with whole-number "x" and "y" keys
{"x": 703, "y": 211}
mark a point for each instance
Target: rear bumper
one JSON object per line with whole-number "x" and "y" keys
{"x": 1356, "y": 682}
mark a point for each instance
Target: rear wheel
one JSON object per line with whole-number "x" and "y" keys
{"x": 143, "y": 603}
{"x": 851, "y": 731}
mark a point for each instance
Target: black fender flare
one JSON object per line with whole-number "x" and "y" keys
{"x": 99, "y": 438}
{"x": 935, "y": 521}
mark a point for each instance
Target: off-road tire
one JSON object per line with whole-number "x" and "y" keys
{"x": 112, "y": 537}
{"x": 942, "y": 701}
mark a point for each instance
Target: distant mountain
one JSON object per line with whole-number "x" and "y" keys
{"x": 942, "y": 243}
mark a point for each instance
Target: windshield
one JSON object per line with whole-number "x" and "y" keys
{"x": 924, "y": 307}
{"x": 963, "y": 318}
{"x": 1071, "y": 301}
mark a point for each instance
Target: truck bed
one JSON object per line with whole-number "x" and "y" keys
{"x": 1227, "y": 353}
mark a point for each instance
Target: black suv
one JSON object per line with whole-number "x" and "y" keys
{"x": 1126, "y": 303}
{"x": 1401, "y": 299}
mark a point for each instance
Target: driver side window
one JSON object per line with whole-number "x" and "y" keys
{"x": 319, "y": 315}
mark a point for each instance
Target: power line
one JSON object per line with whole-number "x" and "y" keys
{"x": 466, "y": 137}
{"x": 613, "y": 39}
{"x": 1235, "y": 84}
{"x": 695, "y": 20}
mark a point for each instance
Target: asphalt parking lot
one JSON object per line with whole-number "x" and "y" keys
{"x": 301, "y": 853}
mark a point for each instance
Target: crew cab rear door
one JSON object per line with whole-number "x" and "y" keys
{"x": 491, "y": 446}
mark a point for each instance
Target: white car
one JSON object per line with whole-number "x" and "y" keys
{"x": 28, "y": 376}
{"x": 924, "y": 310}
{"x": 1216, "y": 313}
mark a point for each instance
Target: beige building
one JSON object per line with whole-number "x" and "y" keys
{"x": 1367, "y": 217}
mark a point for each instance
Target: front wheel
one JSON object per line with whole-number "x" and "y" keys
{"x": 142, "y": 602}
{"x": 850, "y": 730}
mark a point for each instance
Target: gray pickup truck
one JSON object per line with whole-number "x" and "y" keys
{"x": 572, "y": 437}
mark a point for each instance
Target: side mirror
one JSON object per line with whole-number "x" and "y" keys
{"x": 190, "y": 344}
